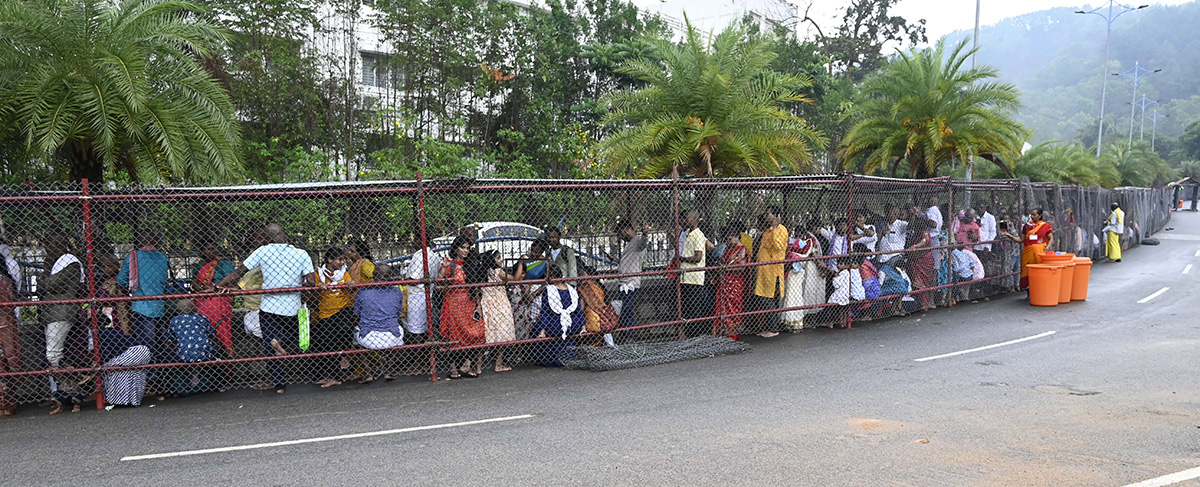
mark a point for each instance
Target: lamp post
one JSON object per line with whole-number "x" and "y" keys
{"x": 1109, "y": 14}
{"x": 1136, "y": 72}
{"x": 1142, "y": 130}
{"x": 974, "y": 51}
{"x": 1154, "y": 126}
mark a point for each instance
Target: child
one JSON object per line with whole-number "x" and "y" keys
{"x": 847, "y": 286}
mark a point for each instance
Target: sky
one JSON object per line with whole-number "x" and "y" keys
{"x": 942, "y": 16}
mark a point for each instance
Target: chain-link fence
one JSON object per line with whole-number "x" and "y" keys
{"x": 114, "y": 294}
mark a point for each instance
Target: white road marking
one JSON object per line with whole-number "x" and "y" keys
{"x": 1152, "y": 296}
{"x": 1174, "y": 478}
{"x": 1187, "y": 269}
{"x": 1197, "y": 253}
{"x": 1010, "y": 342}
{"x": 322, "y": 439}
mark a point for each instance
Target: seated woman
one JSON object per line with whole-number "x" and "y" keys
{"x": 561, "y": 318}
{"x": 195, "y": 341}
{"x": 379, "y": 314}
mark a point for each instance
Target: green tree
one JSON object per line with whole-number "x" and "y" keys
{"x": 118, "y": 88}
{"x": 1064, "y": 164}
{"x": 926, "y": 110}
{"x": 713, "y": 110}
{"x": 1137, "y": 165}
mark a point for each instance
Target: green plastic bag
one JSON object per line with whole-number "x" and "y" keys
{"x": 302, "y": 317}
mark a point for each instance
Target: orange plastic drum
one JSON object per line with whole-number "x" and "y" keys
{"x": 1066, "y": 281}
{"x": 1056, "y": 257}
{"x": 1044, "y": 283}
{"x": 1079, "y": 285}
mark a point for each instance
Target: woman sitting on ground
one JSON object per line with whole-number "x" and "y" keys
{"x": 561, "y": 318}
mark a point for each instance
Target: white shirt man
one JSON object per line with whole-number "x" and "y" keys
{"x": 987, "y": 231}
{"x": 417, "y": 319}
{"x": 894, "y": 240}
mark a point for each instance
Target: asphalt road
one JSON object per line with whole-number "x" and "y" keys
{"x": 1111, "y": 398}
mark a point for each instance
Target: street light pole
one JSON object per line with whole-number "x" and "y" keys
{"x": 1109, "y": 16}
{"x": 1154, "y": 127}
{"x": 1136, "y": 73}
{"x": 1142, "y": 130}
{"x": 974, "y": 52}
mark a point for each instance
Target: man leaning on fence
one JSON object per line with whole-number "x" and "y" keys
{"x": 283, "y": 266}
{"x": 145, "y": 273}
{"x": 632, "y": 256}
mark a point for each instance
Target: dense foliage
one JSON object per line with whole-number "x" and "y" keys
{"x": 292, "y": 90}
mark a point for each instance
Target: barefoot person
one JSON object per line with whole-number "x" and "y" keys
{"x": 283, "y": 266}
{"x": 1038, "y": 236}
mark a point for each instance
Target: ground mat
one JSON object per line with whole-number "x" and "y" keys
{"x": 647, "y": 354}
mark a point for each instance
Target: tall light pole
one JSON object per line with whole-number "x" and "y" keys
{"x": 974, "y": 52}
{"x": 1136, "y": 72}
{"x": 1109, "y": 14}
{"x": 1154, "y": 124}
{"x": 1142, "y": 130}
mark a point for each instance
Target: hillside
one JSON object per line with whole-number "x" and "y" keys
{"x": 1054, "y": 56}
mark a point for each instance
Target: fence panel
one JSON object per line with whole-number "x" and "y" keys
{"x": 182, "y": 291}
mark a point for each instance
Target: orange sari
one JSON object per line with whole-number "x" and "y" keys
{"x": 1035, "y": 245}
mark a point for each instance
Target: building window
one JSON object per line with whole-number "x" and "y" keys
{"x": 374, "y": 70}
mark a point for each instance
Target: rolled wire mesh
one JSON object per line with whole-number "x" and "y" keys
{"x": 115, "y": 293}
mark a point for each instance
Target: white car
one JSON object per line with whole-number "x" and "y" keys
{"x": 512, "y": 239}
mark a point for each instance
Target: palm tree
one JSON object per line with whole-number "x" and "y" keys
{"x": 714, "y": 110}
{"x": 1064, "y": 164}
{"x": 1137, "y": 165}
{"x": 118, "y": 88}
{"x": 925, "y": 109}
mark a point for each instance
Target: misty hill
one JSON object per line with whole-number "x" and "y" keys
{"x": 1054, "y": 56}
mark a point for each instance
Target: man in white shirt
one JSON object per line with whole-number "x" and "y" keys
{"x": 840, "y": 243}
{"x": 283, "y": 267}
{"x": 416, "y": 322}
{"x": 987, "y": 229}
{"x": 864, "y": 233}
{"x": 896, "y": 236}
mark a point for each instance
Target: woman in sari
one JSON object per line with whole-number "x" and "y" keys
{"x": 1038, "y": 236}
{"x": 731, "y": 285}
{"x": 461, "y": 320}
{"x": 525, "y": 298}
{"x": 805, "y": 283}
{"x": 921, "y": 267}
{"x": 218, "y": 309}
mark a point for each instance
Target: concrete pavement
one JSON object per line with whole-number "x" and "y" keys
{"x": 1111, "y": 398}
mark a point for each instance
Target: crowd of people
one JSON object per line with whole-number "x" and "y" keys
{"x": 762, "y": 279}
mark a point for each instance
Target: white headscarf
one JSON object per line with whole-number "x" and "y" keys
{"x": 564, "y": 314}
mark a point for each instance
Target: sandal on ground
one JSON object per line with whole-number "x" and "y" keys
{"x": 366, "y": 380}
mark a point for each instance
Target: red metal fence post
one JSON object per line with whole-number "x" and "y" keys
{"x": 91, "y": 284}
{"x": 678, "y": 244}
{"x": 428, "y": 286}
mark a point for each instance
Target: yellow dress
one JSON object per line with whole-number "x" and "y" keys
{"x": 768, "y": 281}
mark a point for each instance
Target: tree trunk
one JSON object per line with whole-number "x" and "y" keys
{"x": 83, "y": 162}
